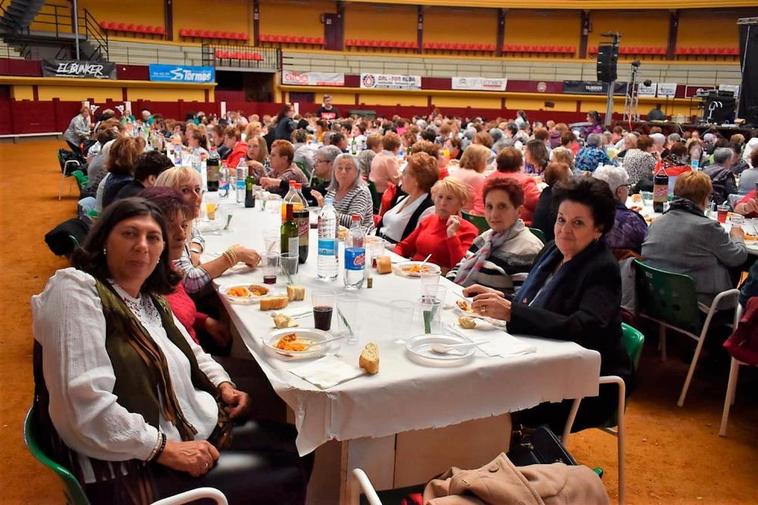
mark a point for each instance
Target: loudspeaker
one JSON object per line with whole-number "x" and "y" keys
{"x": 718, "y": 107}
{"x": 607, "y": 57}
{"x": 749, "y": 63}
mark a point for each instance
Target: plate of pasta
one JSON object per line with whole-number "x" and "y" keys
{"x": 415, "y": 268}
{"x": 245, "y": 293}
{"x": 298, "y": 343}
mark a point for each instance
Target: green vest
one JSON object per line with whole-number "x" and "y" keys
{"x": 143, "y": 385}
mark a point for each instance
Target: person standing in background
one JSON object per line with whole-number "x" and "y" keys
{"x": 327, "y": 111}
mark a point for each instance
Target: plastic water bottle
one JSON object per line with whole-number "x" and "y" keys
{"x": 241, "y": 172}
{"x": 695, "y": 164}
{"x": 223, "y": 181}
{"x": 178, "y": 155}
{"x": 355, "y": 254}
{"x": 327, "y": 242}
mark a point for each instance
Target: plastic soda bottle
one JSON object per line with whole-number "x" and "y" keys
{"x": 355, "y": 254}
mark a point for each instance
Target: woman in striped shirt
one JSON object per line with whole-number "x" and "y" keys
{"x": 349, "y": 192}
{"x": 507, "y": 248}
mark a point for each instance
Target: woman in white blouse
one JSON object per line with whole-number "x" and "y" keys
{"x": 417, "y": 181}
{"x": 136, "y": 409}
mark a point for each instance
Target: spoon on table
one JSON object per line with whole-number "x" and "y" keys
{"x": 446, "y": 348}
{"x": 421, "y": 266}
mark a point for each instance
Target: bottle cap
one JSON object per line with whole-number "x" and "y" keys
{"x": 355, "y": 217}
{"x": 292, "y": 183}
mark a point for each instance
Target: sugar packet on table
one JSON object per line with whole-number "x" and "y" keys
{"x": 327, "y": 372}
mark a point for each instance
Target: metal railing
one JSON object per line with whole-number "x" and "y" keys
{"x": 263, "y": 59}
{"x": 693, "y": 73}
{"x": 58, "y": 20}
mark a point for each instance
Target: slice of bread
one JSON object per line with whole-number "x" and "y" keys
{"x": 274, "y": 302}
{"x": 369, "y": 359}
{"x": 295, "y": 293}
{"x": 383, "y": 265}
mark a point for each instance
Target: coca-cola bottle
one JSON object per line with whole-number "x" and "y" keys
{"x": 660, "y": 187}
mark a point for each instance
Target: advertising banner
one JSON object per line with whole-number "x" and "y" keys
{"x": 390, "y": 81}
{"x": 79, "y": 69}
{"x": 294, "y": 78}
{"x": 479, "y": 83}
{"x": 666, "y": 89}
{"x": 182, "y": 73}
{"x": 592, "y": 88}
{"x": 643, "y": 90}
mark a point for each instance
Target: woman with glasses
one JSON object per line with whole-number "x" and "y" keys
{"x": 629, "y": 229}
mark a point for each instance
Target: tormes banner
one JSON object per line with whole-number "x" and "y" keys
{"x": 79, "y": 69}
{"x": 390, "y": 81}
{"x": 294, "y": 78}
{"x": 182, "y": 73}
{"x": 592, "y": 87}
{"x": 479, "y": 83}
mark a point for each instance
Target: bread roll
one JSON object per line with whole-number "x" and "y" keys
{"x": 295, "y": 293}
{"x": 274, "y": 302}
{"x": 383, "y": 265}
{"x": 467, "y": 322}
{"x": 284, "y": 321}
{"x": 369, "y": 359}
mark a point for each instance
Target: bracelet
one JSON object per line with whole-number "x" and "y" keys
{"x": 231, "y": 255}
{"x": 157, "y": 445}
{"x": 159, "y": 450}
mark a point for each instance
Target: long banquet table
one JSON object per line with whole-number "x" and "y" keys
{"x": 404, "y": 396}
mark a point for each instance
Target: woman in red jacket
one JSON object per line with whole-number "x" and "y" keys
{"x": 510, "y": 163}
{"x": 233, "y": 140}
{"x": 445, "y": 234}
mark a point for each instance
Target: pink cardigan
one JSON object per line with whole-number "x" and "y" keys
{"x": 474, "y": 181}
{"x": 385, "y": 169}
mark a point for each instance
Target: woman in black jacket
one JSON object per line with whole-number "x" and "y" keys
{"x": 573, "y": 292}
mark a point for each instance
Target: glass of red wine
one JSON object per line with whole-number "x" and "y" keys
{"x": 270, "y": 267}
{"x": 323, "y": 307}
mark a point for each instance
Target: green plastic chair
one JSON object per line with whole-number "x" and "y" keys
{"x": 72, "y": 489}
{"x": 376, "y": 198}
{"x": 633, "y": 340}
{"x": 670, "y": 299}
{"x": 538, "y": 233}
{"x": 304, "y": 169}
{"x": 81, "y": 179}
{"x": 477, "y": 221}
{"x": 75, "y": 493}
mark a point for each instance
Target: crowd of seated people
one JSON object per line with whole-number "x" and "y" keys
{"x": 433, "y": 174}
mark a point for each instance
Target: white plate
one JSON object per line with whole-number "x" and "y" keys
{"x": 307, "y": 334}
{"x": 245, "y": 300}
{"x": 419, "y": 349}
{"x": 400, "y": 268}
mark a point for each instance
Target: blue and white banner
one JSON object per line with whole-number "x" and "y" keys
{"x": 183, "y": 73}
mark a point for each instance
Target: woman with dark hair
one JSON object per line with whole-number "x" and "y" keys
{"x": 573, "y": 292}
{"x": 197, "y": 144}
{"x": 545, "y": 212}
{"x": 596, "y": 123}
{"x": 131, "y": 405}
{"x": 536, "y": 157}
{"x": 510, "y": 164}
{"x": 122, "y": 160}
{"x": 507, "y": 248}
{"x": 284, "y": 123}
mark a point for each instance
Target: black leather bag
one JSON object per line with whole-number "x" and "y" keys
{"x": 538, "y": 446}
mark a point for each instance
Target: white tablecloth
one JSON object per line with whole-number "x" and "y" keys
{"x": 750, "y": 225}
{"x": 404, "y": 395}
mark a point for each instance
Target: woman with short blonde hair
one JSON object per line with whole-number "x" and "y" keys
{"x": 444, "y": 236}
